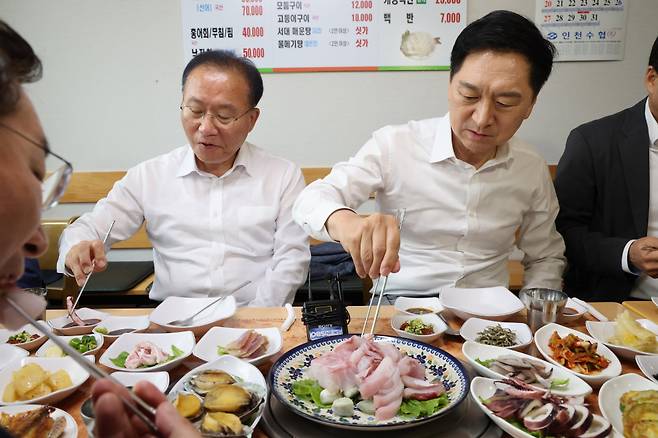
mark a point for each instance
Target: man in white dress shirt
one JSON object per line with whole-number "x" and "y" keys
{"x": 467, "y": 184}
{"x": 607, "y": 184}
{"x": 217, "y": 211}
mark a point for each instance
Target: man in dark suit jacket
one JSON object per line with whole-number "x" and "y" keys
{"x": 606, "y": 181}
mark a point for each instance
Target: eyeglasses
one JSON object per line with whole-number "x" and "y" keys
{"x": 54, "y": 186}
{"x": 195, "y": 115}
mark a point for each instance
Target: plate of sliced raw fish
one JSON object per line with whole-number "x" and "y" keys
{"x": 252, "y": 345}
{"x": 369, "y": 383}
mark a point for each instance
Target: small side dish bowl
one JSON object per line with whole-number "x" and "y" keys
{"x": 418, "y": 306}
{"x": 159, "y": 378}
{"x": 543, "y": 336}
{"x": 42, "y": 352}
{"x": 183, "y": 341}
{"x": 5, "y": 334}
{"x": 75, "y": 371}
{"x": 70, "y": 428}
{"x": 175, "y": 308}
{"x": 58, "y": 324}
{"x": 611, "y": 392}
{"x": 649, "y": 366}
{"x": 604, "y": 330}
{"x": 138, "y": 324}
{"x": 471, "y": 329}
{"x": 207, "y": 348}
{"x": 572, "y": 311}
{"x": 429, "y": 318}
{"x": 496, "y": 303}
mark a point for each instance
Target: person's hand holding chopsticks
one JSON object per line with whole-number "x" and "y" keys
{"x": 113, "y": 420}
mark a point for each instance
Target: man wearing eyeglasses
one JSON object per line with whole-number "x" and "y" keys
{"x": 217, "y": 211}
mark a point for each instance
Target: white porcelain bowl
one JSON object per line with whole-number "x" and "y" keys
{"x": 85, "y": 313}
{"x": 473, "y": 326}
{"x": 207, "y": 347}
{"x": 127, "y": 342}
{"x": 51, "y": 364}
{"x": 649, "y": 366}
{"x": 114, "y": 322}
{"x": 10, "y": 353}
{"x": 176, "y": 308}
{"x": 603, "y": 331}
{"x": 474, "y": 351}
{"x": 5, "y": 334}
{"x": 403, "y": 304}
{"x": 613, "y": 369}
{"x": 159, "y": 378}
{"x": 41, "y": 352}
{"x": 70, "y": 430}
{"x": 429, "y": 318}
{"x": 495, "y": 303}
{"x": 577, "y": 311}
{"x": 611, "y": 392}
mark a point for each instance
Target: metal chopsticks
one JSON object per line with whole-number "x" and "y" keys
{"x": 91, "y": 368}
{"x": 400, "y": 216}
{"x": 93, "y": 264}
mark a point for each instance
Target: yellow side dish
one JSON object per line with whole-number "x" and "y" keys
{"x": 629, "y": 333}
{"x": 32, "y": 381}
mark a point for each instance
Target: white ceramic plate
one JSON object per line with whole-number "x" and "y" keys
{"x": 41, "y": 352}
{"x": 160, "y": 378}
{"x": 495, "y": 303}
{"x": 127, "y": 342}
{"x": 114, "y": 322}
{"x": 473, "y": 350}
{"x": 85, "y": 313}
{"x": 207, "y": 347}
{"x": 655, "y": 300}
{"x": 569, "y": 317}
{"x": 613, "y": 369}
{"x": 71, "y": 429}
{"x": 10, "y": 353}
{"x": 611, "y": 392}
{"x": 429, "y": 318}
{"x": 174, "y": 308}
{"x": 431, "y": 303}
{"x": 649, "y": 366}
{"x": 473, "y": 326}
{"x": 5, "y": 334}
{"x": 51, "y": 364}
{"x": 246, "y": 372}
{"x": 603, "y": 331}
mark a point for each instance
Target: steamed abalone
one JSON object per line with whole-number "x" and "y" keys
{"x": 221, "y": 422}
{"x": 188, "y": 405}
{"x": 205, "y": 381}
{"x": 227, "y": 398}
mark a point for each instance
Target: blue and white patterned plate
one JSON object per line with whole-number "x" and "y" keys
{"x": 294, "y": 365}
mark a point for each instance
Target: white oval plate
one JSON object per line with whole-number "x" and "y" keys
{"x": 495, "y": 303}
{"x": 404, "y": 303}
{"x": 78, "y": 376}
{"x": 603, "y": 331}
{"x": 428, "y": 318}
{"x": 10, "y": 353}
{"x": 473, "y": 326}
{"x": 159, "y": 378}
{"x": 611, "y": 392}
{"x": 85, "y": 313}
{"x": 174, "y": 308}
{"x": 206, "y": 348}
{"x": 5, "y": 334}
{"x": 127, "y": 342}
{"x": 41, "y": 352}
{"x": 114, "y": 322}
{"x": 649, "y": 366}
{"x": 473, "y": 350}
{"x": 71, "y": 429}
{"x": 543, "y": 335}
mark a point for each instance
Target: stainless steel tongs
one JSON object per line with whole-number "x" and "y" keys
{"x": 399, "y": 216}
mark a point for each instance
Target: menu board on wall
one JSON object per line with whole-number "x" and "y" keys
{"x": 584, "y": 30}
{"x": 327, "y": 35}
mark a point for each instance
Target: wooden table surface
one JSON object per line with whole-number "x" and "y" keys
{"x": 273, "y": 317}
{"x": 647, "y": 309}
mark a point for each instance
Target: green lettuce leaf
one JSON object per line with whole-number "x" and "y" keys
{"x": 485, "y": 363}
{"x": 309, "y": 389}
{"x": 559, "y": 384}
{"x": 120, "y": 360}
{"x": 423, "y": 408}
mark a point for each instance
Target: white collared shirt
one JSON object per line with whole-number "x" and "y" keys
{"x": 209, "y": 233}
{"x": 460, "y": 223}
{"x": 646, "y": 286}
